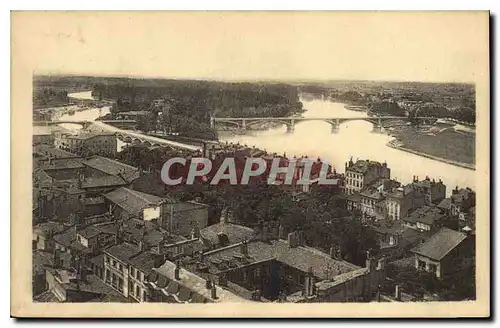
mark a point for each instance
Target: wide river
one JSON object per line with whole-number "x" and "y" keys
{"x": 315, "y": 139}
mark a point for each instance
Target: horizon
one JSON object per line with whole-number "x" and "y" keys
{"x": 256, "y": 80}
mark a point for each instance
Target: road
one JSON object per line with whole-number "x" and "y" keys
{"x": 143, "y": 137}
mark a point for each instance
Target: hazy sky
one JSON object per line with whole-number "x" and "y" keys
{"x": 283, "y": 45}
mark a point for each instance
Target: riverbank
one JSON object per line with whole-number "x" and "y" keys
{"x": 440, "y": 142}
{"x": 394, "y": 144}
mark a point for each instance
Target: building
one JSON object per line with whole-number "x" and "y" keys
{"x": 225, "y": 233}
{"x": 462, "y": 200}
{"x": 399, "y": 202}
{"x": 424, "y": 218}
{"x": 43, "y": 233}
{"x": 87, "y": 143}
{"x": 43, "y": 153}
{"x": 395, "y": 238}
{"x": 97, "y": 166}
{"x": 97, "y": 237}
{"x": 45, "y": 134}
{"x": 433, "y": 192}
{"x": 116, "y": 271}
{"x": 360, "y": 174}
{"x": 170, "y": 283}
{"x": 181, "y": 218}
{"x": 439, "y": 254}
{"x": 126, "y": 203}
{"x": 69, "y": 285}
{"x": 274, "y": 269}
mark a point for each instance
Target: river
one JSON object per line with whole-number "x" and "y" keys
{"x": 356, "y": 139}
{"x": 315, "y": 139}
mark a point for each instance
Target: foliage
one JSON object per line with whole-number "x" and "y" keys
{"x": 49, "y": 97}
{"x": 190, "y": 104}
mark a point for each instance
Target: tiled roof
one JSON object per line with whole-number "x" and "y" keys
{"x": 66, "y": 238}
{"x": 425, "y": 214}
{"x": 46, "y": 297}
{"x": 49, "y": 228}
{"x": 301, "y": 258}
{"x": 89, "y": 232}
{"x": 445, "y": 204}
{"x": 113, "y": 167}
{"x": 362, "y": 166}
{"x": 144, "y": 262}
{"x": 189, "y": 288}
{"x": 440, "y": 244}
{"x": 47, "y": 151}
{"x": 132, "y": 201}
{"x": 62, "y": 163}
{"x": 103, "y": 181}
{"x": 123, "y": 252}
{"x": 236, "y": 233}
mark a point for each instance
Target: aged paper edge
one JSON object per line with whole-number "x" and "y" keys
{"x": 23, "y": 63}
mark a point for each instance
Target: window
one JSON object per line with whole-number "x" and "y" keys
{"x": 132, "y": 271}
{"x": 131, "y": 287}
{"x": 137, "y": 291}
{"x": 432, "y": 268}
{"x": 143, "y": 295}
{"x": 137, "y": 274}
{"x": 120, "y": 284}
{"x": 256, "y": 273}
{"x": 421, "y": 264}
{"x": 245, "y": 276}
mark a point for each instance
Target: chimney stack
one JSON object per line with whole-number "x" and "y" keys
{"x": 397, "y": 293}
{"x": 213, "y": 292}
{"x": 244, "y": 248}
{"x": 309, "y": 283}
{"x": 301, "y": 239}
{"x": 281, "y": 232}
{"x": 223, "y": 279}
{"x": 256, "y": 295}
{"x": 177, "y": 271}
{"x": 292, "y": 239}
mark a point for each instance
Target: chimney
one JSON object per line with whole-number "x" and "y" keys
{"x": 56, "y": 258}
{"x": 300, "y": 237}
{"x": 397, "y": 293}
{"x": 381, "y": 264}
{"x": 309, "y": 283}
{"x": 223, "y": 279}
{"x": 368, "y": 260}
{"x": 244, "y": 248}
{"x": 177, "y": 271}
{"x": 256, "y": 295}
{"x": 281, "y": 232}
{"x": 338, "y": 253}
{"x": 292, "y": 239}
{"x": 213, "y": 292}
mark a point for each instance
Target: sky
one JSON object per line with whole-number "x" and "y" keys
{"x": 400, "y": 46}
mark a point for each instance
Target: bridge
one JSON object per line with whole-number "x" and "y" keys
{"x": 124, "y": 135}
{"x": 243, "y": 123}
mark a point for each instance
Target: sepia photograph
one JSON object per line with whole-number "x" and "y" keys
{"x": 289, "y": 164}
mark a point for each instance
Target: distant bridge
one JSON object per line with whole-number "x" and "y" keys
{"x": 243, "y": 123}
{"x": 124, "y": 135}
